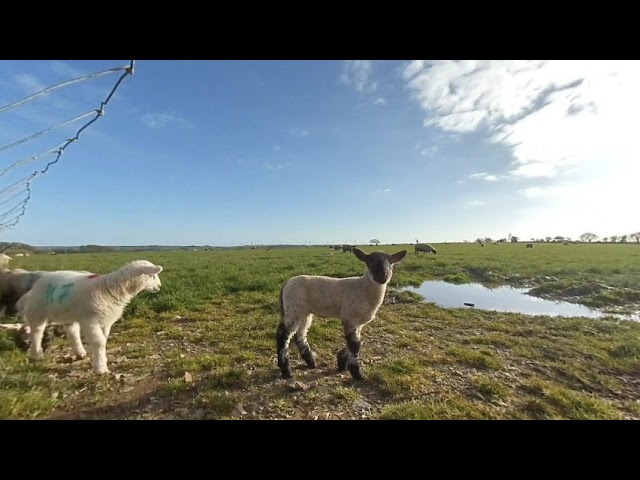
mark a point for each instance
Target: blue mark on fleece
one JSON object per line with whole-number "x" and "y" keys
{"x": 65, "y": 291}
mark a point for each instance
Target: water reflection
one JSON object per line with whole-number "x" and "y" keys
{"x": 502, "y": 299}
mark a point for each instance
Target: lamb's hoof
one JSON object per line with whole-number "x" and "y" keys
{"x": 36, "y": 357}
{"x": 343, "y": 358}
{"x": 101, "y": 371}
{"x": 356, "y": 373}
{"x": 286, "y": 375}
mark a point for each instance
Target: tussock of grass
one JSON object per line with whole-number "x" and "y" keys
{"x": 490, "y": 388}
{"x": 216, "y": 404}
{"x": 475, "y": 358}
{"x": 456, "y": 408}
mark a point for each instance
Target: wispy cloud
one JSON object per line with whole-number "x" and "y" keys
{"x": 64, "y": 69}
{"x": 161, "y": 120}
{"x": 28, "y": 83}
{"x": 475, "y": 203}
{"x": 299, "y": 132}
{"x": 358, "y": 73}
{"x": 273, "y": 166}
{"x": 384, "y": 190}
{"x": 429, "y": 151}
{"x": 568, "y": 125}
{"x": 380, "y": 101}
{"x": 483, "y": 176}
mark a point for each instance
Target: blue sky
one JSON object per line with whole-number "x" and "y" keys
{"x": 239, "y": 152}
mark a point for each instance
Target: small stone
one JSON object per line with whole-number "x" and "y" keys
{"x": 297, "y": 386}
{"x": 188, "y": 378}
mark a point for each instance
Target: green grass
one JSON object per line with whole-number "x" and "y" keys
{"x": 217, "y": 312}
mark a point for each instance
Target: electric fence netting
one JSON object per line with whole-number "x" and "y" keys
{"x": 15, "y": 196}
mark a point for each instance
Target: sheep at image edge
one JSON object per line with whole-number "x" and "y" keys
{"x": 354, "y": 300}
{"x": 84, "y": 302}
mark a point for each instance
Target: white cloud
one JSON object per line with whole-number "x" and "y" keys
{"x": 64, "y": 69}
{"x": 161, "y": 120}
{"x": 29, "y": 83}
{"x": 380, "y": 101}
{"x": 299, "y": 132}
{"x": 387, "y": 190}
{"x": 570, "y": 127}
{"x": 483, "y": 176}
{"x": 357, "y": 73}
{"x": 425, "y": 152}
{"x": 475, "y": 203}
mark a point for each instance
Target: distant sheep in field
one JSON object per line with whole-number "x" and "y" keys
{"x": 19, "y": 255}
{"x": 347, "y": 248}
{"x": 354, "y": 300}
{"x": 337, "y": 247}
{"x": 14, "y": 283}
{"x": 529, "y": 245}
{"x": 85, "y": 302}
{"x": 424, "y": 248}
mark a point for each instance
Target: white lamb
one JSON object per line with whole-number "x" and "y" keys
{"x": 85, "y": 302}
{"x": 355, "y": 300}
{"x": 4, "y": 260}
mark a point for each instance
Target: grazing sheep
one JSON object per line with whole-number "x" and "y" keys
{"x": 529, "y": 245}
{"x": 337, "y": 247}
{"x": 425, "y": 248}
{"x": 85, "y": 302}
{"x": 14, "y": 283}
{"x": 347, "y": 248}
{"x": 355, "y": 300}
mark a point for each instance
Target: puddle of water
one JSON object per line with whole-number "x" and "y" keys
{"x": 503, "y": 299}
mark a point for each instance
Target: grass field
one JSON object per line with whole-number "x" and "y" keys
{"x": 204, "y": 347}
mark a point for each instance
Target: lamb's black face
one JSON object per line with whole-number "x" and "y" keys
{"x": 380, "y": 267}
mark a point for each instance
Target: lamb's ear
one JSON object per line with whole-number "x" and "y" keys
{"x": 360, "y": 254}
{"x": 397, "y": 257}
{"x": 151, "y": 270}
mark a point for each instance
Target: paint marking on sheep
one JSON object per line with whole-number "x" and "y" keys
{"x": 85, "y": 307}
{"x": 65, "y": 291}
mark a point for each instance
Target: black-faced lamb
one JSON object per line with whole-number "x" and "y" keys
{"x": 354, "y": 300}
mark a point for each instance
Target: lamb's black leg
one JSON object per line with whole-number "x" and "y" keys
{"x": 343, "y": 358}
{"x": 283, "y": 337}
{"x": 349, "y": 356}
{"x": 305, "y": 350}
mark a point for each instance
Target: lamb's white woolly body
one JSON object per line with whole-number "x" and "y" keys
{"x": 334, "y": 297}
{"x": 355, "y": 300}
{"x": 85, "y": 302}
